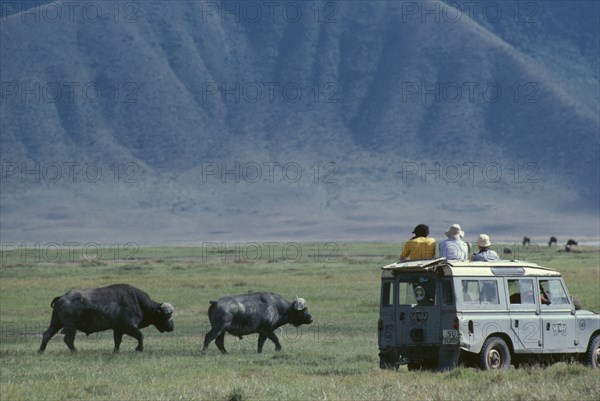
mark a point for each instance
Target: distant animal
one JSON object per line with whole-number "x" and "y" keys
{"x": 552, "y": 240}
{"x": 261, "y": 313}
{"x": 526, "y": 241}
{"x": 120, "y": 307}
{"x": 569, "y": 244}
{"x": 507, "y": 251}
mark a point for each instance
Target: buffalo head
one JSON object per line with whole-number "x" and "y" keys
{"x": 163, "y": 318}
{"x": 299, "y": 313}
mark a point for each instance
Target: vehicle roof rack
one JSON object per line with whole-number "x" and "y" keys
{"x": 432, "y": 264}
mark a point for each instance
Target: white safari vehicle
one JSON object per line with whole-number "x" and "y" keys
{"x": 435, "y": 313}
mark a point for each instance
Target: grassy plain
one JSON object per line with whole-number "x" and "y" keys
{"x": 335, "y": 358}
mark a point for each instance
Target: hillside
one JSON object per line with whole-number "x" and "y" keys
{"x": 393, "y": 113}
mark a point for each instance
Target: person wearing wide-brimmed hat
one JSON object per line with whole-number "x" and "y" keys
{"x": 420, "y": 246}
{"x": 485, "y": 254}
{"x": 454, "y": 248}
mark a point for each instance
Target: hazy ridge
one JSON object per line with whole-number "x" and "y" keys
{"x": 185, "y": 90}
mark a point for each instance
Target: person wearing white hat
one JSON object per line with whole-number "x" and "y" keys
{"x": 454, "y": 248}
{"x": 485, "y": 254}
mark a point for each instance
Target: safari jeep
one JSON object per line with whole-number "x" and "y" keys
{"x": 435, "y": 313}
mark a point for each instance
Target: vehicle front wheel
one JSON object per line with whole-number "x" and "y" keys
{"x": 593, "y": 355}
{"x": 494, "y": 354}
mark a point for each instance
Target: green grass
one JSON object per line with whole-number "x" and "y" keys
{"x": 335, "y": 358}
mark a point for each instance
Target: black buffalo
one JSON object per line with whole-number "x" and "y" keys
{"x": 552, "y": 240}
{"x": 260, "y": 313}
{"x": 120, "y": 307}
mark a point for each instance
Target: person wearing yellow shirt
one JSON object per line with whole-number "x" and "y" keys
{"x": 420, "y": 246}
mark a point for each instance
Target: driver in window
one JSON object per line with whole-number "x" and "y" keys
{"x": 544, "y": 296}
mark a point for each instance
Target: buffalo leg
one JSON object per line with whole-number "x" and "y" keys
{"x": 220, "y": 341}
{"x": 70, "y": 337}
{"x": 55, "y": 325}
{"x": 274, "y": 338}
{"x": 211, "y": 335}
{"x": 262, "y": 337}
{"x": 137, "y": 334}
{"x": 118, "y": 336}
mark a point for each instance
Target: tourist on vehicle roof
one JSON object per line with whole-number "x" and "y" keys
{"x": 485, "y": 254}
{"x": 454, "y": 248}
{"x": 420, "y": 246}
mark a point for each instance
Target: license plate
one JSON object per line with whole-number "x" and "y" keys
{"x": 450, "y": 337}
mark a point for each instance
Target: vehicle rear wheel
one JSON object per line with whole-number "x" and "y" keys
{"x": 494, "y": 354}
{"x": 593, "y": 356}
{"x": 427, "y": 364}
{"x": 388, "y": 360}
{"x": 388, "y": 364}
{"x": 414, "y": 366}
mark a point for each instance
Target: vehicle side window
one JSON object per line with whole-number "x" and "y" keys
{"x": 552, "y": 292}
{"x": 489, "y": 292}
{"x": 470, "y": 291}
{"x": 387, "y": 294}
{"x": 521, "y": 291}
{"x": 480, "y": 291}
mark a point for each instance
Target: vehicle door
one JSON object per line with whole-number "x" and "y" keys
{"x": 481, "y": 309}
{"x": 387, "y": 314}
{"x": 558, "y": 321}
{"x": 418, "y": 310}
{"x": 524, "y": 314}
